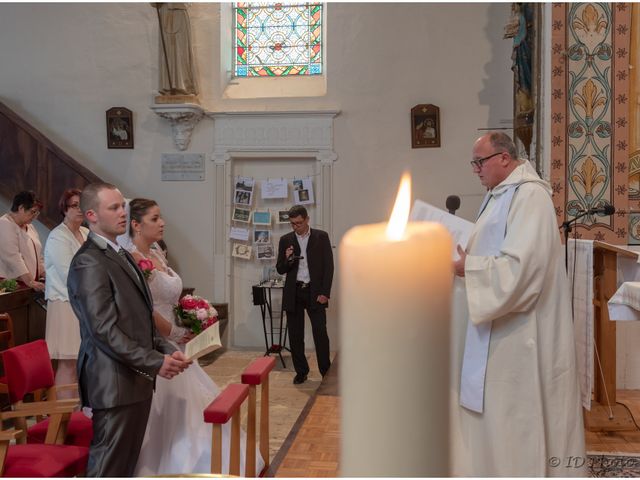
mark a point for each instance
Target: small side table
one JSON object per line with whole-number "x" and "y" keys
{"x": 262, "y": 298}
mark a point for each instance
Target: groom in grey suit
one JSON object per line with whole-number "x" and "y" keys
{"x": 121, "y": 352}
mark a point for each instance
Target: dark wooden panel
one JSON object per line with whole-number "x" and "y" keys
{"x": 31, "y": 161}
{"x": 17, "y": 305}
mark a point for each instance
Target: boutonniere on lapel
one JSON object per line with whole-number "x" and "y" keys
{"x": 146, "y": 266}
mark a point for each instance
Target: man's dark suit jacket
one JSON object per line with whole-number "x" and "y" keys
{"x": 120, "y": 352}
{"x": 320, "y": 260}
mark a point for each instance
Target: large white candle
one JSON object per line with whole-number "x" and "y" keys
{"x": 395, "y": 290}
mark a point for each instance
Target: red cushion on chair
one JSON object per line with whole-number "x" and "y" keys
{"x": 28, "y": 367}
{"x": 225, "y": 405}
{"x": 79, "y": 431}
{"x": 45, "y": 461}
{"x": 258, "y": 370}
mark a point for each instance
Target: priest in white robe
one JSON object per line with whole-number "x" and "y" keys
{"x": 515, "y": 388}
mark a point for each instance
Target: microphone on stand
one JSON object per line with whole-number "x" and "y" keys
{"x": 602, "y": 211}
{"x": 566, "y": 226}
{"x": 452, "y": 204}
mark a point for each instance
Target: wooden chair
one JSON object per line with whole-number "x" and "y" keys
{"x": 6, "y": 341}
{"x": 226, "y": 406}
{"x": 41, "y": 460}
{"x": 28, "y": 369}
{"x": 257, "y": 373}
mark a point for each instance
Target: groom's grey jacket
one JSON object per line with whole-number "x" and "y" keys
{"x": 121, "y": 351}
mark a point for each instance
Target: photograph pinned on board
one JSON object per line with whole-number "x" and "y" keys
{"x": 240, "y": 250}
{"x": 262, "y": 236}
{"x": 266, "y": 252}
{"x": 245, "y": 183}
{"x": 303, "y": 191}
{"x": 261, "y": 218}
{"x": 283, "y": 216}
{"x": 241, "y": 215}
{"x": 243, "y": 197}
{"x": 243, "y": 194}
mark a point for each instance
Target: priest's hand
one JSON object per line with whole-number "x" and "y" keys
{"x": 458, "y": 265}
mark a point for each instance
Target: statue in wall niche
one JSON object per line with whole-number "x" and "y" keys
{"x": 177, "y": 69}
{"x": 521, "y": 27}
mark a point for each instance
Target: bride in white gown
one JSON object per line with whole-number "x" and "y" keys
{"x": 176, "y": 440}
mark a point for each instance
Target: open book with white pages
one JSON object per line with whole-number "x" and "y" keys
{"x": 459, "y": 228}
{"x": 205, "y": 342}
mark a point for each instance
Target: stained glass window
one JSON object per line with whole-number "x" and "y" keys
{"x": 277, "y": 39}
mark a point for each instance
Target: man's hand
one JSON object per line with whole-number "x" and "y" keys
{"x": 173, "y": 365}
{"x": 322, "y": 299}
{"x": 288, "y": 252}
{"x": 458, "y": 265}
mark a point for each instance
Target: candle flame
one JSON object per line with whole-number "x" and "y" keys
{"x": 400, "y": 214}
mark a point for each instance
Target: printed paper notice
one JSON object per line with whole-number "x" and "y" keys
{"x": 458, "y": 227}
{"x": 206, "y": 342}
{"x": 275, "y": 188}
{"x": 238, "y": 233}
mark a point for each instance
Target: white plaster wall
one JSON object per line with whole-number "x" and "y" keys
{"x": 64, "y": 65}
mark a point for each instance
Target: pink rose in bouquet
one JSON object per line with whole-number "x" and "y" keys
{"x": 195, "y": 313}
{"x": 146, "y": 266}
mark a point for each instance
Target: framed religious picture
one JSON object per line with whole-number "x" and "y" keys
{"x": 119, "y": 128}
{"x": 425, "y": 126}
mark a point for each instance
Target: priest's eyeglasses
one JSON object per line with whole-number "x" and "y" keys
{"x": 480, "y": 161}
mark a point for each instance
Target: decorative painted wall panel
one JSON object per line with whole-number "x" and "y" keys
{"x": 634, "y": 128}
{"x": 589, "y": 108}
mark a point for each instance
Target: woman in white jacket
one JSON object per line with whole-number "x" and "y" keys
{"x": 63, "y": 331}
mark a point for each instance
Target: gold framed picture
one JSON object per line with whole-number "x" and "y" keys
{"x": 425, "y": 126}
{"x": 119, "y": 128}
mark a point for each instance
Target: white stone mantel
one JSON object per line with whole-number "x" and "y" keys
{"x": 272, "y": 134}
{"x": 183, "y": 118}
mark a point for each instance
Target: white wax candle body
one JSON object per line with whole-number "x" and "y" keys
{"x": 394, "y": 357}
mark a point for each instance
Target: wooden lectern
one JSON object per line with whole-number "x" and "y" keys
{"x": 605, "y": 276}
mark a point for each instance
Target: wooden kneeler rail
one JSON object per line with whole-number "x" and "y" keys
{"x": 257, "y": 373}
{"x": 226, "y": 406}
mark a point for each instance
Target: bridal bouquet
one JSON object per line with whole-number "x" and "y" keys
{"x": 195, "y": 313}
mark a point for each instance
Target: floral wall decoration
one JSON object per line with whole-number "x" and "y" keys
{"x": 589, "y": 115}
{"x": 634, "y": 128}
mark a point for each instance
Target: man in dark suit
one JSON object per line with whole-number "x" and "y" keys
{"x": 121, "y": 352}
{"x": 306, "y": 257}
